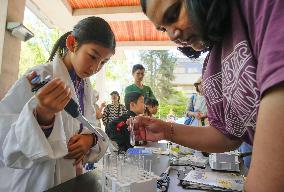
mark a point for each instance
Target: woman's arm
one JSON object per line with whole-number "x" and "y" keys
{"x": 207, "y": 139}
{"x": 267, "y": 170}
{"x": 99, "y": 111}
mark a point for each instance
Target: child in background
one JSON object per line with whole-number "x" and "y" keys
{"x": 42, "y": 145}
{"x": 117, "y": 128}
{"x": 151, "y": 107}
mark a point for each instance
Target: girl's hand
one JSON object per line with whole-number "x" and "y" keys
{"x": 78, "y": 147}
{"x": 30, "y": 76}
{"x": 52, "y": 98}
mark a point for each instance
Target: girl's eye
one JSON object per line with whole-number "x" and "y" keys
{"x": 174, "y": 17}
{"x": 92, "y": 57}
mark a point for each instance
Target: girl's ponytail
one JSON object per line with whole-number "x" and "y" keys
{"x": 59, "y": 47}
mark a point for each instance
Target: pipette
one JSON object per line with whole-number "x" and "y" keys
{"x": 72, "y": 108}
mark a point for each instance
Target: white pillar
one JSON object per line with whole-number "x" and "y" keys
{"x": 101, "y": 84}
{"x": 11, "y": 46}
{"x": 3, "y": 17}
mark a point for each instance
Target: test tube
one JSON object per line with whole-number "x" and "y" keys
{"x": 124, "y": 169}
{"x": 113, "y": 165}
{"x": 141, "y": 162}
{"x": 148, "y": 166}
{"x": 106, "y": 162}
{"x": 132, "y": 135}
{"x": 135, "y": 167}
{"x": 119, "y": 171}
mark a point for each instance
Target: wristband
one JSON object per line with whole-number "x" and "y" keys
{"x": 170, "y": 132}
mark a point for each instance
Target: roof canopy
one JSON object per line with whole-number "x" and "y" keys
{"x": 130, "y": 25}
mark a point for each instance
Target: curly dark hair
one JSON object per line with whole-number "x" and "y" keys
{"x": 210, "y": 17}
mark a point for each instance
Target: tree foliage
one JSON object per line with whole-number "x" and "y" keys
{"x": 159, "y": 68}
{"x": 177, "y": 104}
{"x": 36, "y": 50}
{"x": 118, "y": 70}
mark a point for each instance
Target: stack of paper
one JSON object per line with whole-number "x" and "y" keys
{"x": 193, "y": 160}
{"x": 207, "y": 180}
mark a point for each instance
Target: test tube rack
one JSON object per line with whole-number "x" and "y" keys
{"x": 144, "y": 181}
{"x": 128, "y": 173}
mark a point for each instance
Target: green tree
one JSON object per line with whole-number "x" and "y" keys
{"x": 159, "y": 66}
{"x": 118, "y": 70}
{"x": 177, "y": 104}
{"x": 36, "y": 50}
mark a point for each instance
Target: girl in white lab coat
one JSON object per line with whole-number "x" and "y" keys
{"x": 41, "y": 144}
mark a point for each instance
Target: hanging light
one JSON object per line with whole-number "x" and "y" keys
{"x": 19, "y": 30}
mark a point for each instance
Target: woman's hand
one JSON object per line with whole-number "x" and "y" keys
{"x": 149, "y": 129}
{"x": 103, "y": 105}
{"x": 193, "y": 114}
{"x": 78, "y": 147}
{"x": 199, "y": 115}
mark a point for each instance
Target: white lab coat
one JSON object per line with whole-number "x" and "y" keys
{"x": 28, "y": 160}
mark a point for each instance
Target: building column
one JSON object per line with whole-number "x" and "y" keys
{"x": 101, "y": 84}
{"x": 10, "y": 46}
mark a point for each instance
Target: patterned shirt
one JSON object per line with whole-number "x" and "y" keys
{"x": 249, "y": 61}
{"x": 112, "y": 111}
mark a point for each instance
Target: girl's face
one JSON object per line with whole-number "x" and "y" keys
{"x": 114, "y": 97}
{"x": 172, "y": 16}
{"x": 89, "y": 58}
